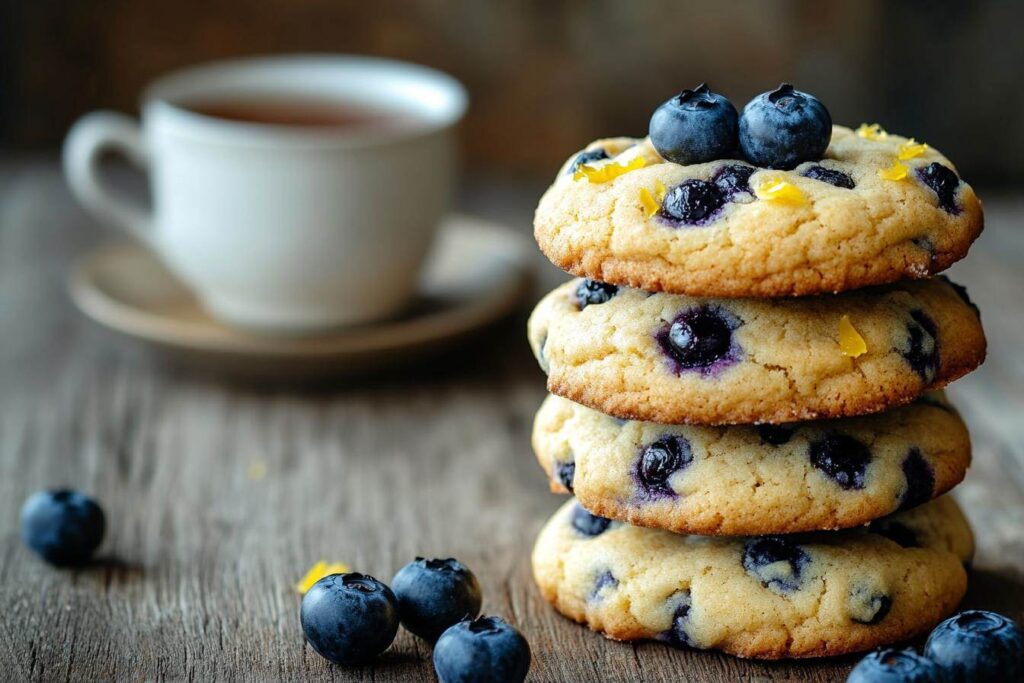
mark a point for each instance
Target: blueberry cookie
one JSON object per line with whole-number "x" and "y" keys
{"x": 674, "y": 359}
{"x": 802, "y": 595}
{"x": 876, "y": 209}
{"x": 765, "y": 479}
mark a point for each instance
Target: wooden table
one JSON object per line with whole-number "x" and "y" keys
{"x": 201, "y": 553}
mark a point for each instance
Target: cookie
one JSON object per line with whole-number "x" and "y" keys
{"x": 802, "y": 595}
{"x": 674, "y": 359}
{"x": 752, "y": 480}
{"x": 875, "y": 210}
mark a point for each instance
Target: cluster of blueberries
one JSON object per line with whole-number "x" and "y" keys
{"x": 971, "y": 647}
{"x": 351, "y": 618}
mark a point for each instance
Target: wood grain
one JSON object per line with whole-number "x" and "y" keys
{"x": 195, "y": 580}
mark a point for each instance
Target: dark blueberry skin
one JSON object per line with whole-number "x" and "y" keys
{"x": 922, "y": 345}
{"x": 830, "y": 176}
{"x": 593, "y": 292}
{"x": 896, "y": 666}
{"x": 944, "y": 183}
{"x": 978, "y": 647}
{"x": 733, "y": 179}
{"x": 693, "y": 202}
{"x": 784, "y": 128}
{"x": 604, "y": 580}
{"x": 896, "y": 532}
{"x": 64, "y": 527}
{"x": 762, "y": 557}
{"x": 695, "y": 126}
{"x": 842, "y": 458}
{"x": 961, "y": 292}
{"x": 566, "y": 473}
{"x": 587, "y": 158}
{"x": 869, "y": 607}
{"x": 776, "y": 435}
{"x": 659, "y": 461}
{"x": 435, "y": 594}
{"x": 485, "y": 650}
{"x": 920, "y": 479}
{"x": 677, "y": 635}
{"x": 699, "y": 337}
{"x": 588, "y": 524}
{"x": 349, "y": 618}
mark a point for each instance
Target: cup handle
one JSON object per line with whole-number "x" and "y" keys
{"x": 89, "y": 137}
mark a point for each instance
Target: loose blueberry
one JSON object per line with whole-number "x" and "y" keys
{"x": 896, "y": 666}
{"x": 944, "y": 183}
{"x": 677, "y": 634}
{"x": 566, "y": 473}
{"x": 776, "y": 435}
{"x": 922, "y": 345}
{"x": 784, "y": 128}
{"x": 842, "y": 458}
{"x": 659, "y": 461}
{"x": 593, "y": 292}
{"x": 961, "y": 292}
{"x": 485, "y": 650}
{"x": 869, "y": 607}
{"x": 693, "y": 202}
{"x": 349, "y": 618}
{"x": 588, "y": 524}
{"x": 699, "y": 337}
{"x": 695, "y": 126}
{"x": 776, "y": 561}
{"x": 733, "y": 179}
{"x": 830, "y": 176}
{"x": 64, "y": 527}
{"x": 435, "y": 594}
{"x": 896, "y": 532}
{"x": 587, "y": 158}
{"x": 978, "y": 647}
{"x": 604, "y": 580}
{"x": 920, "y": 480}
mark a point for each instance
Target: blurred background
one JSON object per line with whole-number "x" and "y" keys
{"x": 547, "y": 76}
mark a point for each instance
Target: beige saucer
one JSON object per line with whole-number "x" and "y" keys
{"x": 478, "y": 273}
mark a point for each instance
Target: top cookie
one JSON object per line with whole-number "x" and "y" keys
{"x": 875, "y": 209}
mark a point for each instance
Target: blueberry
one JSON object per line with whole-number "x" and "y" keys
{"x": 784, "y": 128}
{"x": 699, "y": 337}
{"x": 961, "y": 292}
{"x": 587, "y": 523}
{"x": 922, "y": 345}
{"x": 349, "y": 618}
{"x": 677, "y": 634}
{"x": 434, "y": 594}
{"x": 64, "y": 527}
{"x": 692, "y": 202}
{"x": 830, "y": 176}
{"x": 695, "y": 126}
{"x": 587, "y": 158}
{"x": 842, "y": 458}
{"x": 869, "y": 607}
{"x": 920, "y": 479}
{"x": 777, "y": 562}
{"x": 659, "y": 461}
{"x": 896, "y": 666}
{"x": 485, "y": 650}
{"x": 896, "y": 532}
{"x": 566, "y": 473}
{"x": 733, "y": 179}
{"x": 978, "y": 647}
{"x": 604, "y": 580}
{"x": 776, "y": 435}
{"x": 943, "y": 182}
{"x": 593, "y": 292}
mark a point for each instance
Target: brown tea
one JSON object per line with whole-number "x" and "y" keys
{"x": 303, "y": 113}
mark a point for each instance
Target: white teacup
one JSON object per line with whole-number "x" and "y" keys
{"x": 284, "y": 228}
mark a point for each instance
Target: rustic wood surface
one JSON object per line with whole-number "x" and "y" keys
{"x": 195, "y": 580}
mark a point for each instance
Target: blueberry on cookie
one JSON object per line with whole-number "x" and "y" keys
{"x": 695, "y": 126}
{"x": 784, "y": 128}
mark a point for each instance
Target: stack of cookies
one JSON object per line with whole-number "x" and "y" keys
{"x": 746, "y": 381}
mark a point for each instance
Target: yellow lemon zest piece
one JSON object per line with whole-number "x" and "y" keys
{"x": 872, "y": 131}
{"x": 910, "y": 149}
{"x": 659, "y": 190}
{"x": 850, "y": 341}
{"x": 776, "y": 189}
{"x": 898, "y": 171}
{"x": 649, "y": 203}
{"x": 319, "y": 571}
{"x": 606, "y": 172}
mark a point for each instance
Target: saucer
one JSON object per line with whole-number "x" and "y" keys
{"x": 478, "y": 273}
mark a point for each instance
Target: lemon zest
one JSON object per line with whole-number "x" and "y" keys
{"x": 898, "y": 171}
{"x": 317, "y": 572}
{"x": 607, "y": 172}
{"x": 910, "y": 149}
{"x": 649, "y": 203}
{"x": 872, "y": 131}
{"x": 776, "y": 189}
{"x": 850, "y": 341}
